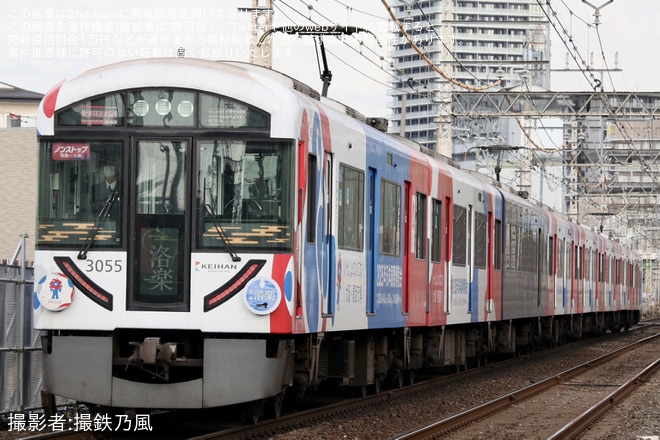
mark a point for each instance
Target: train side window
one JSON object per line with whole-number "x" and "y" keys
{"x": 390, "y": 218}
{"x": 420, "y": 226}
{"x": 513, "y": 253}
{"x": 351, "y": 209}
{"x": 311, "y": 199}
{"x": 570, "y": 265}
{"x": 459, "y": 237}
{"x": 481, "y": 242}
{"x": 498, "y": 245}
{"x": 436, "y": 232}
{"x": 632, "y": 275}
{"x": 595, "y": 263}
{"x": 587, "y": 268}
{"x": 551, "y": 255}
{"x": 560, "y": 258}
{"x": 578, "y": 262}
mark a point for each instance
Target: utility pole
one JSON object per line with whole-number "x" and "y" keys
{"x": 261, "y": 22}
{"x": 444, "y": 143}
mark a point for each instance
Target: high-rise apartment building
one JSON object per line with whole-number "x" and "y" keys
{"x": 473, "y": 42}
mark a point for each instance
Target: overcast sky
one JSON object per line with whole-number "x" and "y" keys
{"x": 44, "y": 42}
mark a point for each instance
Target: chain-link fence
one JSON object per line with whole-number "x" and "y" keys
{"x": 20, "y": 348}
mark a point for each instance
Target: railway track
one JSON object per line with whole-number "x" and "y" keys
{"x": 315, "y": 416}
{"x": 338, "y": 413}
{"x": 559, "y": 407}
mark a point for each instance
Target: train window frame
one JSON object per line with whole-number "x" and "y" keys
{"x": 190, "y": 111}
{"x": 389, "y": 231}
{"x": 459, "y": 235}
{"x": 350, "y": 209}
{"x": 97, "y": 115}
{"x": 561, "y": 257}
{"x": 551, "y": 255}
{"x": 436, "y": 231}
{"x": 259, "y": 204}
{"x": 481, "y": 240}
{"x": 420, "y": 226}
{"x": 80, "y": 167}
{"x": 498, "y": 245}
{"x": 311, "y": 198}
{"x": 251, "y": 117}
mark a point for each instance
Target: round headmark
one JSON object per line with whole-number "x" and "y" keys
{"x": 55, "y": 292}
{"x": 262, "y": 296}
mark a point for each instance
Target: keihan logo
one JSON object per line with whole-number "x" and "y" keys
{"x": 214, "y": 267}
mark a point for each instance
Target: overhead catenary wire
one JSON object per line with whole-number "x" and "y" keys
{"x": 411, "y": 83}
{"x": 415, "y": 86}
{"x": 421, "y": 53}
{"x": 587, "y": 72}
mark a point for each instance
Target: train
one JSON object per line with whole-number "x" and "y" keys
{"x": 215, "y": 233}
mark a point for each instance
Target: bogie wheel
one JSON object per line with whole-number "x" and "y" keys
{"x": 276, "y": 405}
{"x": 411, "y": 377}
{"x": 376, "y": 386}
{"x": 252, "y": 411}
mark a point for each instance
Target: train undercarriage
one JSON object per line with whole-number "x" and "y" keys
{"x": 178, "y": 369}
{"x": 371, "y": 358}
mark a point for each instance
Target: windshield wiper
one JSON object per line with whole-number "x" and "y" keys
{"x": 103, "y": 215}
{"x": 222, "y": 234}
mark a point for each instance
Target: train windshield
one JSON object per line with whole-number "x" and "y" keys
{"x": 245, "y": 194}
{"x": 79, "y": 191}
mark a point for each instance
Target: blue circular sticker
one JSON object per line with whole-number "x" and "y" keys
{"x": 262, "y": 296}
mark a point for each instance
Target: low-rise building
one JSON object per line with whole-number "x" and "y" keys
{"x": 18, "y": 168}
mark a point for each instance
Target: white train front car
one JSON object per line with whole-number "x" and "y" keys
{"x": 166, "y": 295}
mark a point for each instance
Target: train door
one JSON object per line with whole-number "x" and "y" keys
{"x": 159, "y": 249}
{"x": 470, "y": 253}
{"x": 328, "y": 245}
{"x": 489, "y": 262}
{"x": 449, "y": 231}
{"x": 540, "y": 267}
{"x": 552, "y": 270}
{"x": 563, "y": 272}
{"x": 372, "y": 233}
{"x": 572, "y": 273}
{"x": 405, "y": 301}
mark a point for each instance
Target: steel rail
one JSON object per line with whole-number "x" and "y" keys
{"x": 584, "y": 420}
{"x": 485, "y": 409}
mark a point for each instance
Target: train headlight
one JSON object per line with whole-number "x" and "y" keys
{"x": 141, "y": 108}
{"x": 163, "y": 107}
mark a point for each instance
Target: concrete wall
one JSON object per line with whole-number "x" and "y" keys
{"x": 18, "y": 189}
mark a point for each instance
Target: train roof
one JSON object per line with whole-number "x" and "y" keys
{"x": 260, "y": 87}
{"x": 269, "y": 90}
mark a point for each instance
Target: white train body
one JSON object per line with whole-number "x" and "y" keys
{"x": 259, "y": 238}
